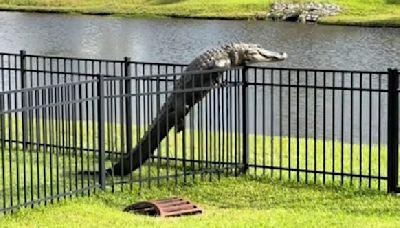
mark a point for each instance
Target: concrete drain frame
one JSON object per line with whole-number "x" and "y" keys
{"x": 173, "y": 207}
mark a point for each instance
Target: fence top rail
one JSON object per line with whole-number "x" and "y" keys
{"x": 94, "y": 59}
{"x": 315, "y": 70}
{"x": 184, "y": 65}
{"x": 144, "y": 77}
{"x": 60, "y": 57}
{"x": 160, "y": 64}
{"x": 74, "y": 58}
{"x": 9, "y": 54}
{"x": 48, "y": 87}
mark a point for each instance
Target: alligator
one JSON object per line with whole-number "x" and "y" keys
{"x": 203, "y": 72}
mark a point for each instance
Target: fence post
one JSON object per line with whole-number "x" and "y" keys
{"x": 128, "y": 109}
{"x": 393, "y": 131}
{"x": 101, "y": 111}
{"x": 22, "y": 55}
{"x": 245, "y": 97}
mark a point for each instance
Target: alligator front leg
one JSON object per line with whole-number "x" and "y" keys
{"x": 180, "y": 125}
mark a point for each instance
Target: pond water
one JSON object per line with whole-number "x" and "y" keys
{"x": 180, "y": 40}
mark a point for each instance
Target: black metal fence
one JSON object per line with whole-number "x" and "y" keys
{"x": 325, "y": 126}
{"x": 61, "y": 116}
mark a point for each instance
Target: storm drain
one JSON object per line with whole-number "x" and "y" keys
{"x": 164, "y": 208}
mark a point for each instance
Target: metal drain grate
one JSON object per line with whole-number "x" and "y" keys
{"x": 164, "y": 208}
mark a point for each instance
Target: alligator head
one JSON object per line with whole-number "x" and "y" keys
{"x": 241, "y": 54}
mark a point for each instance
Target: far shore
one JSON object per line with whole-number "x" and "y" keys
{"x": 356, "y": 13}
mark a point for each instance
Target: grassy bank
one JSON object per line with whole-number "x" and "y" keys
{"x": 356, "y": 12}
{"x": 242, "y": 202}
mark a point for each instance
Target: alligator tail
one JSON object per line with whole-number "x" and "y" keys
{"x": 159, "y": 129}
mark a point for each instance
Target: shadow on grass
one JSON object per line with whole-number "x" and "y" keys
{"x": 161, "y": 2}
{"x": 392, "y": 1}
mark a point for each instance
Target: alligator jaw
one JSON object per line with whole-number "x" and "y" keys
{"x": 268, "y": 56}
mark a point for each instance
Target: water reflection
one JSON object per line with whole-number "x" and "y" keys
{"x": 177, "y": 40}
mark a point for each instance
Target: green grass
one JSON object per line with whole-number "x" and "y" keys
{"x": 356, "y": 12}
{"x": 242, "y": 202}
{"x": 53, "y": 171}
{"x": 259, "y": 200}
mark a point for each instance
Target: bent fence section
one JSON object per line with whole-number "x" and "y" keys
{"x": 61, "y": 116}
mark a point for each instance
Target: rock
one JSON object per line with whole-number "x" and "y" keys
{"x": 308, "y": 12}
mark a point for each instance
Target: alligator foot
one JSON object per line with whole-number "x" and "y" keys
{"x": 180, "y": 125}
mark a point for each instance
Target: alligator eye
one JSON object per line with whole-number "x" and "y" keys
{"x": 260, "y": 53}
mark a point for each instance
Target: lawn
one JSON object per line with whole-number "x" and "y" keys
{"x": 260, "y": 199}
{"x": 54, "y": 172}
{"x": 241, "y": 202}
{"x": 356, "y": 12}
